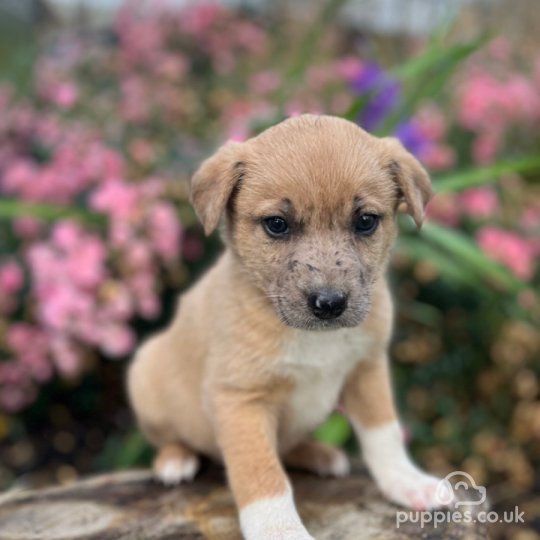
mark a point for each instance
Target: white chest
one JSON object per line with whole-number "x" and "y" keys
{"x": 318, "y": 363}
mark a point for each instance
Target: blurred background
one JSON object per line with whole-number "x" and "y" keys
{"x": 107, "y": 107}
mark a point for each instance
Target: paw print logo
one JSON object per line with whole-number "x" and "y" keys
{"x": 462, "y": 484}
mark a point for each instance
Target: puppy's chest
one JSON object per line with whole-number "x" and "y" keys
{"x": 318, "y": 363}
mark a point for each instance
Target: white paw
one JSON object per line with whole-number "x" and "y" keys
{"x": 396, "y": 475}
{"x": 175, "y": 470}
{"x": 338, "y": 466}
{"x": 275, "y": 518}
{"x": 408, "y": 486}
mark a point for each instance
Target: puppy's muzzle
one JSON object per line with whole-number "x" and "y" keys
{"x": 327, "y": 303}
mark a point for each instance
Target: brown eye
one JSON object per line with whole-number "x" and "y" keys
{"x": 366, "y": 224}
{"x": 275, "y": 226}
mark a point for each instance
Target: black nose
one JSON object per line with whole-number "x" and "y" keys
{"x": 327, "y": 303}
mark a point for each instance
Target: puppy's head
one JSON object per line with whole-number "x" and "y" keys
{"x": 310, "y": 210}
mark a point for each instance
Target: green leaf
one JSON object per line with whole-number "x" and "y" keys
{"x": 457, "y": 181}
{"x": 469, "y": 255}
{"x": 426, "y": 76}
{"x": 13, "y": 208}
{"x": 417, "y": 249}
{"x": 436, "y": 56}
{"x": 335, "y": 431}
{"x": 132, "y": 451}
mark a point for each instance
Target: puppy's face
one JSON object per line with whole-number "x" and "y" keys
{"x": 311, "y": 207}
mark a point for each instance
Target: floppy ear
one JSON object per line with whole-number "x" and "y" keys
{"x": 213, "y": 183}
{"x": 411, "y": 178}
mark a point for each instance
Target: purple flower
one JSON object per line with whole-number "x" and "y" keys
{"x": 385, "y": 93}
{"x": 412, "y": 137}
{"x": 370, "y": 75}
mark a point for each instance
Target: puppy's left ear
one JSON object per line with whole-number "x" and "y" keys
{"x": 213, "y": 184}
{"x": 411, "y": 178}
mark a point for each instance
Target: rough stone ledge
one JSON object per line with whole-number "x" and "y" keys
{"x": 131, "y": 505}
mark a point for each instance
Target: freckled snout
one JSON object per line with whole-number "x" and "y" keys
{"x": 327, "y": 303}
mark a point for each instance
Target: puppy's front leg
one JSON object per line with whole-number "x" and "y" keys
{"x": 246, "y": 426}
{"x": 369, "y": 403}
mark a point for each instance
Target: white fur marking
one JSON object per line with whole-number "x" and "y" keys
{"x": 176, "y": 470}
{"x": 396, "y": 475}
{"x": 319, "y": 363}
{"x": 275, "y": 518}
{"x": 340, "y": 465}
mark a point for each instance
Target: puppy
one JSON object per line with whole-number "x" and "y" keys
{"x": 292, "y": 320}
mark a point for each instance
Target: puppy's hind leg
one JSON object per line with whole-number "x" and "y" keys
{"x": 320, "y": 458}
{"x": 175, "y": 463}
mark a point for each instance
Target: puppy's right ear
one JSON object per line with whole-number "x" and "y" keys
{"x": 213, "y": 183}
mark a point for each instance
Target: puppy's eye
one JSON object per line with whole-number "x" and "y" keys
{"x": 275, "y": 226}
{"x": 366, "y": 224}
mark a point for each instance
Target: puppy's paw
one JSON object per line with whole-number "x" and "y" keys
{"x": 338, "y": 464}
{"x": 274, "y": 518}
{"x": 175, "y": 464}
{"x": 396, "y": 475}
{"x": 404, "y": 484}
{"x": 319, "y": 458}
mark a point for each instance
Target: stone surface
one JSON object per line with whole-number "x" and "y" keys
{"x": 131, "y": 505}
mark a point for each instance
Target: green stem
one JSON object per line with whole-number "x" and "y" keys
{"x": 12, "y": 208}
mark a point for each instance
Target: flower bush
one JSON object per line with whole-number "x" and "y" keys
{"x": 68, "y": 287}
{"x": 95, "y": 230}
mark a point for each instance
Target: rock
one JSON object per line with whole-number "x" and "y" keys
{"x": 131, "y": 505}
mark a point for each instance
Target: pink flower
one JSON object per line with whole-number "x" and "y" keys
{"x": 149, "y": 306}
{"x": 11, "y": 278}
{"x": 116, "y": 198}
{"x": 431, "y": 122}
{"x": 445, "y": 209}
{"x": 438, "y": 157}
{"x": 119, "y": 303}
{"x": 65, "y": 95}
{"x": 265, "y": 81}
{"x": 139, "y": 254}
{"x": 67, "y": 357}
{"x": 142, "y": 151}
{"x": 143, "y": 287}
{"x": 121, "y": 233}
{"x": 349, "y": 67}
{"x": 500, "y": 48}
{"x": 27, "y": 228}
{"x": 86, "y": 264}
{"x": 18, "y": 336}
{"x": 19, "y": 175}
{"x": 56, "y": 307}
{"x": 66, "y": 235}
{"x": 164, "y": 230}
{"x": 38, "y": 366}
{"x": 485, "y": 147}
{"x": 530, "y": 218}
{"x": 480, "y": 202}
{"x": 509, "y": 249}
{"x": 116, "y": 339}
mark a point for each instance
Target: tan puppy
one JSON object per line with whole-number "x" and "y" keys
{"x": 294, "y": 318}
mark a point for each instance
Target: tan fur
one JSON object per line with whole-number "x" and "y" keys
{"x": 176, "y": 453}
{"x": 231, "y": 377}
